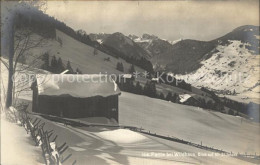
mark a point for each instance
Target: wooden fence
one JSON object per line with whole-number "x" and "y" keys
{"x": 52, "y": 154}
{"x": 49, "y": 145}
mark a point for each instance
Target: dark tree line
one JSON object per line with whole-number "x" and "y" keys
{"x": 142, "y": 63}
{"x": 149, "y": 90}
{"x": 211, "y": 104}
{"x": 240, "y": 107}
{"x": 56, "y": 65}
{"x": 120, "y": 67}
{"x": 130, "y": 86}
{"x": 172, "y": 97}
{"x": 211, "y": 93}
{"x": 231, "y": 104}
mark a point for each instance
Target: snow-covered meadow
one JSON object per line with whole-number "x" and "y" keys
{"x": 214, "y": 129}
{"x": 17, "y": 147}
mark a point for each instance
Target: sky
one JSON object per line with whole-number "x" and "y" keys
{"x": 171, "y": 20}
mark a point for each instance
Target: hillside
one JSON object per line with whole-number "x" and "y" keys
{"x": 79, "y": 54}
{"x": 227, "y": 65}
{"x": 185, "y": 55}
{"x": 231, "y": 68}
{"x": 190, "y": 123}
{"x": 248, "y": 34}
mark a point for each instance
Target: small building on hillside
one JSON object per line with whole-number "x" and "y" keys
{"x": 127, "y": 77}
{"x": 188, "y": 99}
{"x": 156, "y": 80}
{"x": 75, "y": 96}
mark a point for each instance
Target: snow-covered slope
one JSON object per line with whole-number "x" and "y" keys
{"x": 222, "y": 131}
{"x": 175, "y": 41}
{"x": 79, "y": 54}
{"x": 231, "y": 69}
{"x": 103, "y": 145}
{"x": 17, "y": 146}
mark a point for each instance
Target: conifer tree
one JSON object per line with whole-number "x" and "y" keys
{"x": 78, "y": 71}
{"x": 60, "y": 67}
{"x": 69, "y": 68}
{"x": 169, "y": 96}
{"x": 138, "y": 88}
{"x": 132, "y": 69}
{"x": 45, "y": 59}
{"x": 161, "y": 96}
{"x": 54, "y": 64}
{"x": 120, "y": 67}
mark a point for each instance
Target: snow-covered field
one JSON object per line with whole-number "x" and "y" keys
{"x": 101, "y": 145}
{"x": 233, "y": 67}
{"x": 214, "y": 129}
{"x": 17, "y": 147}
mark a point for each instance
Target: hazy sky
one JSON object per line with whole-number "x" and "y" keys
{"x": 202, "y": 20}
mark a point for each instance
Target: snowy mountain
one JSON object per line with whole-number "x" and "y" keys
{"x": 175, "y": 41}
{"x": 231, "y": 67}
{"x": 227, "y": 65}
{"x": 99, "y": 37}
{"x": 186, "y": 56}
{"x": 125, "y": 45}
{"x": 154, "y": 46}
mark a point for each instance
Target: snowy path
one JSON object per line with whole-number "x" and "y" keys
{"x": 17, "y": 147}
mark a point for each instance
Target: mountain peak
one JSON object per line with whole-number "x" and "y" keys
{"x": 125, "y": 45}
{"x": 149, "y": 36}
{"x": 251, "y": 28}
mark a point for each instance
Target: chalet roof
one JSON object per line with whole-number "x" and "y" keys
{"x": 76, "y": 85}
{"x": 127, "y": 76}
{"x": 184, "y": 97}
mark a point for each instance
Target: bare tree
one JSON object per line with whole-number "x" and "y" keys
{"x": 24, "y": 41}
{"x": 16, "y": 50}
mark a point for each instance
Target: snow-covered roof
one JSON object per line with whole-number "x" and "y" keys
{"x": 155, "y": 79}
{"x": 76, "y": 85}
{"x": 184, "y": 97}
{"x": 127, "y": 76}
